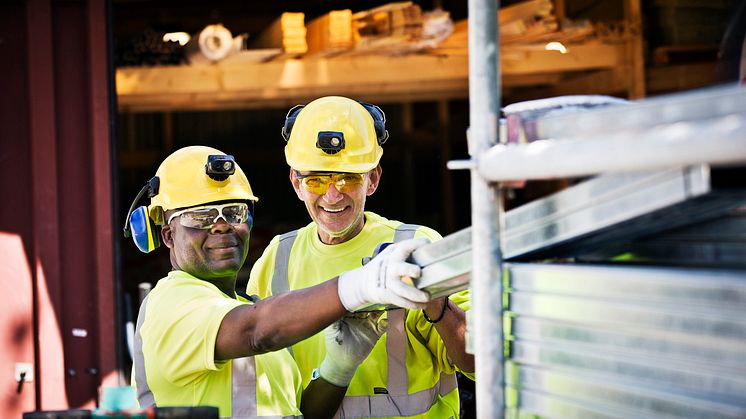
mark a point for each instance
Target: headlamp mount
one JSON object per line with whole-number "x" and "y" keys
{"x": 330, "y": 142}
{"x": 220, "y": 166}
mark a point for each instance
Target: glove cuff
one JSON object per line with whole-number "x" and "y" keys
{"x": 334, "y": 374}
{"x": 348, "y": 292}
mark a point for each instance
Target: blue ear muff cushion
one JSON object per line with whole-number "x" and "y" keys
{"x": 379, "y": 121}
{"x": 144, "y": 232}
{"x": 290, "y": 121}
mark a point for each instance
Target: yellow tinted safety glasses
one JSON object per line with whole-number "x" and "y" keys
{"x": 318, "y": 183}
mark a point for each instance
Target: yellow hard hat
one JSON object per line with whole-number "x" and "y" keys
{"x": 334, "y": 134}
{"x": 197, "y": 175}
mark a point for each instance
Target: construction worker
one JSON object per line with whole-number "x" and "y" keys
{"x": 333, "y": 150}
{"x": 200, "y": 343}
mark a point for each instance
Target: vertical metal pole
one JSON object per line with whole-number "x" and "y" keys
{"x": 486, "y": 212}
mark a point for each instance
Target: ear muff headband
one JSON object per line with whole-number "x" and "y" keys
{"x": 379, "y": 121}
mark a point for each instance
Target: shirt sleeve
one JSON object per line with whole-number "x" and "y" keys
{"x": 183, "y": 336}
{"x": 260, "y": 278}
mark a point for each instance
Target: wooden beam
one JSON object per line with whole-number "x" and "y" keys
{"x": 635, "y": 54}
{"x": 446, "y": 176}
{"x": 680, "y": 77}
{"x": 608, "y": 81}
{"x": 560, "y": 9}
{"x": 522, "y": 60}
{"x": 283, "y": 83}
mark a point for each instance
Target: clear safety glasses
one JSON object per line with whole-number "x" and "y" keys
{"x": 206, "y": 216}
{"x": 318, "y": 183}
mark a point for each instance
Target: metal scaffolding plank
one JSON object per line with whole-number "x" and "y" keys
{"x": 729, "y": 353}
{"x": 446, "y": 264}
{"x": 612, "y": 208}
{"x": 695, "y": 323}
{"x": 720, "y": 290}
{"x": 719, "y": 139}
{"x": 675, "y": 377}
{"x": 720, "y": 242}
{"x": 533, "y": 386}
{"x": 625, "y": 341}
{"x": 687, "y": 107}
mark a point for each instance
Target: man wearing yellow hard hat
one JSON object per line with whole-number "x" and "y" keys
{"x": 200, "y": 342}
{"x": 334, "y": 145}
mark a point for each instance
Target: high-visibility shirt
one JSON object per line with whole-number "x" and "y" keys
{"x": 408, "y": 373}
{"x": 175, "y": 362}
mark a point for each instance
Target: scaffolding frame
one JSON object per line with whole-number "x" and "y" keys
{"x": 716, "y": 136}
{"x": 486, "y": 209}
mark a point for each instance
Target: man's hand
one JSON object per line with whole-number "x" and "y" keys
{"x": 348, "y": 342}
{"x": 380, "y": 280}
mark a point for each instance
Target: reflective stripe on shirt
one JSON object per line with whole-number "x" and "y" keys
{"x": 243, "y": 390}
{"x": 144, "y": 395}
{"x": 405, "y": 232}
{"x": 398, "y": 402}
{"x": 280, "y": 276}
{"x": 383, "y": 405}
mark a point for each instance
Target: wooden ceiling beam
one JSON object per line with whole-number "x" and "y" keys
{"x": 384, "y": 78}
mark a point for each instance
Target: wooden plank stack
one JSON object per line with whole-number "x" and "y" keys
{"x": 287, "y": 32}
{"x": 330, "y": 34}
{"x": 522, "y": 21}
{"x": 528, "y": 22}
{"x": 391, "y": 28}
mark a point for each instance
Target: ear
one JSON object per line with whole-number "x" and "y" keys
{"x": 374, "y": 177}
{"x": 167, "y": 236}
{"x": 296, "y": 184}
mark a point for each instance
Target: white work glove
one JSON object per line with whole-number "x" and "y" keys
{"x": 380, "y": 280}
{"x": 348, "y": 342}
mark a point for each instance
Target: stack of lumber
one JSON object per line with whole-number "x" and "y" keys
{"x": 528, "y": 22}
{"x": 288, "y": 32}
{"x": 522, "y": 22}
{"x": 330, "y": 34}
{"x": 393, "y": 19}
{"x": 391, "y": 28}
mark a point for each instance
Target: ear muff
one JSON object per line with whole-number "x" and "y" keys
{"x": 379, "y": 121}
{"x": 144, "y": 232}
{"x": 139, "y": 225}
{"x": 290, "y": 121}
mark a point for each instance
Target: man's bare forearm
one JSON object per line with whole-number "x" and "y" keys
{"x": 452, "y": 329}
{"x": 279, "y": 321}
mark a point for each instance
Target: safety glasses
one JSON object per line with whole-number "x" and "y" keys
{"x": 206, "y": 216}
{"x": 318, "y": 183}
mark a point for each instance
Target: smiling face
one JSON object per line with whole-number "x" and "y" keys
{"x": 215, "y": 254}
{"x": 339, "y": 216}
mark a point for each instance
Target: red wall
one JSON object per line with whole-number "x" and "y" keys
{"x": 57, "y": 292}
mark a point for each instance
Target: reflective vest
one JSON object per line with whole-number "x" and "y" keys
{"x": 396, "y": 401}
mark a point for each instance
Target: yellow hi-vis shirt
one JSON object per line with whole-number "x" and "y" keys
{"x": 408, "y": 373}
{"x": 175, "y": 362}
